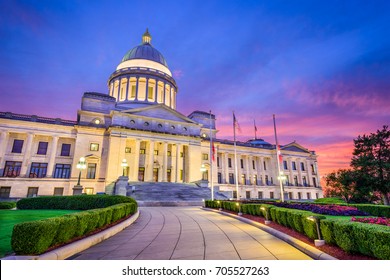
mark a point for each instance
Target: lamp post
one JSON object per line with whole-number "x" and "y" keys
{"x": 78, "y": 189}
{"x": 319, "y": 241}
{"x": 267, "y": 222}
{"x": 239, "y": 209}
{"x": 124, "y": 164}
{"x": 282, "y": 178}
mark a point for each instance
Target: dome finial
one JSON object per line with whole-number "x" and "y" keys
{"x": 146, "y": 38}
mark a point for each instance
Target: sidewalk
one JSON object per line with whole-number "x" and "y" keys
{"x": 169, "y": 233}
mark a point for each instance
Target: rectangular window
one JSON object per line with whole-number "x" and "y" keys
{"x": 12, "y": 168}
{"x": 231, "y": 178}
{"x": 304, "y": 181}
{"x": 65, "y": 150}
{"x": 271, "y": 195}
{"x": 219, "y": 178}
{"x": 290, "y": 195}
{"x": 150, "y": 93}
{"x": 94, "y": 147}
{"x": 248, "y": 194}
{"x": 169, "y": 153}
{"x": 122, "y": 92}
{"x": 58, "y": 191}
{"x": 253, "y": 164}
{"x": 317, "y": 196}
{"x": 142, "y": 151}
{"x": 312, "y": 169}
{"x": 91, "y": 171}
{"x": 127, "y": 150}
{"x": 32, "y": 192}
{"x": 181, "y": 154}
{"x": 266, "y": 180}
{"x": 133, "y": 91}
{"x": 17, "y": 146}
{"x": 308, "y": 195}
{"x": 205, "y": 156}
{"x": 62, "y": 171}
{"x": 38, "y": 170}
{"x": 88, "y": 190}
{"x": 42, "y": 148}
{"x": 243, "y": 179}
{"x": 235, "y": 194}
{"x": 254, "y": 179}
{"x": 285, "y": 165}
{"x": 296, "y": 180}
{"x": 156, "y": 152}
{"x": 4, "y": 192}
{"x": 314, "y": 182}
{"x": 265, "y": 166}
{"x": 299, "y": 195}
{"x": 217, "y": 161}
{"x": 302, "y": 166}
{"x": 205, "y": 175}
{"x": 242, "y": 163}
{"x": 294, "y": 165}
{"x": 260, "y": 195}
{"x": 229, "y": 162}
{"x": 181, "y": 174}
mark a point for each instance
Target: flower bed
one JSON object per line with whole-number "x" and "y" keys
{"x": 377, "y": 221}
{"x": 334, "y": 210}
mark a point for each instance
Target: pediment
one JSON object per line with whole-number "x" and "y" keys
{"x": 295, "y": 147}
{"x": 161, "y": 112}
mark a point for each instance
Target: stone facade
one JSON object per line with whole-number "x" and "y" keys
{"x": 137, "y": 123}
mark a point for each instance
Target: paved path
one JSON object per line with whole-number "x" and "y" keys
{"x": 169, "y": 233}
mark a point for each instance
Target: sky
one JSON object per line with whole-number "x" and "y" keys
{"x": 322, "y": 67}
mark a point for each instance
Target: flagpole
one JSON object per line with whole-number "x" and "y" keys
{"x": 254, "y": 123}
{"x": 278, "y": 161}
{"x": 211, "y": 161}
{"x": 235, "y": 155}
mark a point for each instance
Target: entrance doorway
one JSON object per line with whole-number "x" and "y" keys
{"x": 155, "y": 174}
{"x": 141, "y": 174}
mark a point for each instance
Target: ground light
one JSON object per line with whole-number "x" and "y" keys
{"x": 317, "y": 242}
{"x": 219, "y": 205}
{"x": 239, "y": 209}
{"x": 267, "y": 222}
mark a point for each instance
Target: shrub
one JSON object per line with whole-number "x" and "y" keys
{"x": 37, "y": 236}
{"x": 7, "y": 205}
{"x": 374, "y": 210}
{"x": 34, "y": 237}
{"x": 77, "y": 202}
{"x": 327, "y": 231}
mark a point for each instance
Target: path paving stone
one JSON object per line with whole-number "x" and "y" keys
{"x": 190, "y": 233}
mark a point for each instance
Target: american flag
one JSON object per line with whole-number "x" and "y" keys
{"x": 236, "y": 125}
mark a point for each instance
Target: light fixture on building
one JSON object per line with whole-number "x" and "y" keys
{"x": 124, "y": 165}
{"x": 203, "y": 168}
{"x": 80, "y": 166}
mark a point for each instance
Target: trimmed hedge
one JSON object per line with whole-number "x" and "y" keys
{"x": 36, "y": 237}
{"x": 352, "y": 237}
{"x": 355, "y": 237}
{"x": 7, "y": 205}
{"x": 77, "y": 202}
{"x": 374, "y": 210}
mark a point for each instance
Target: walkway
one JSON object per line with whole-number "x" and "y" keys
{"x": 169, "y": 233}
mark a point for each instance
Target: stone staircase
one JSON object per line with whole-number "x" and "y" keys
{"x": 170, "y": 194}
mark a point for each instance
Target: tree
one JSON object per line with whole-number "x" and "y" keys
{"x": 371, "y": 162}
{"x": 340, "y": 184}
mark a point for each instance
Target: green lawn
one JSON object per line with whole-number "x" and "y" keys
{"x": 8, "y": 218}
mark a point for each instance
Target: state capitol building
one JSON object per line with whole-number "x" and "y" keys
{"x": 135, "y": 130}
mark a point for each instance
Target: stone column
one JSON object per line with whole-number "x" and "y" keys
{"x": 147, "y": 89}
{"x": 4, "y": 136}
{"x": 226, "y": 161}
{"x": 309, "y": 173}
{"x": 27, "y": 155}
{"x": 150, "y": 163}
{"x": 249, "y": 171}
{"x": 52, "y": 153}
{"x": 177, "y": 179}
{"x": 299, "y": 171}
{"x": 136, "y": 95}
{"x": 165, "y": 162}
{"x": 136, "y": 160}
{"x": 262, "y": 171}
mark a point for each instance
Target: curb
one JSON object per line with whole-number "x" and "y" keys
{"x": 302, "y": 246}
{"x": 69, "y": 250}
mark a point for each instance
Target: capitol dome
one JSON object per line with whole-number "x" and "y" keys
{"x": 143, "y": 78}
{"x": 145, "y": 55}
